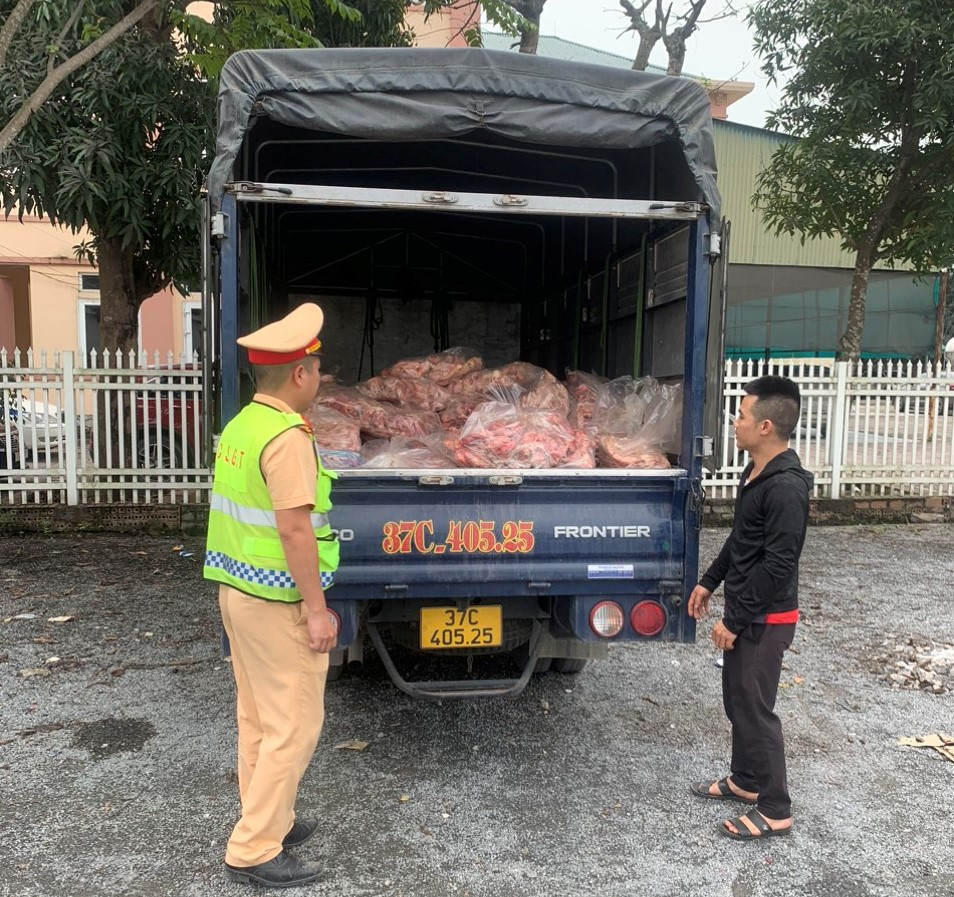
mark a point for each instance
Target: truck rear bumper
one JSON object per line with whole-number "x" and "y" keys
{"x": 531, "y": 632}
{"x": 466, "y": 688}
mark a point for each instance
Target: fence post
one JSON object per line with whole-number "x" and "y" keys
{"x": 836, "y": 440}
{"x": 69, "y": 426}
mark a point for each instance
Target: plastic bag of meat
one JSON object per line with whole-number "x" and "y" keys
{"x": 453, "y": 363}
{"x": 398, "y": 421}
{"x": 584, "y": 390}
{"x": 332, "y": 429}
{"x": 544, "y": 392}
{"x": 408, "y": 367}
{"x": 440, "y": 368}
{"x": 333, "y": 459}
{"x": 500, "y": 435}
{"x": 538, "y": 388}
{"x": 402, "y": 452}
{"x": 350, "y": 402}
{"x": 630, "y": 452}
{"x": 459, "y": 408}
{"x": 419, "y": 392}
{"x": 379, "y": 420}
{"x": 645, "y": 408}
{"x": 582, "y": 450}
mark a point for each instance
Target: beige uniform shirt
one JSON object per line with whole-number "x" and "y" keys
{"x": 288, "y": 463}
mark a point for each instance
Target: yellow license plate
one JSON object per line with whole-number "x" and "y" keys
{"x": 472, "y": 627}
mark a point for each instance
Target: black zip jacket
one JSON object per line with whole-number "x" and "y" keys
{"x": 759, "y": 561}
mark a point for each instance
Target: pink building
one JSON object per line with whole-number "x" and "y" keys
{"x": 49, "y": 300}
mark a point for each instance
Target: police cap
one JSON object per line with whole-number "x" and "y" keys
{"x": 290, "y": 339}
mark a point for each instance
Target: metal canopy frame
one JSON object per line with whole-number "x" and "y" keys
{"x": 501, "y": 203}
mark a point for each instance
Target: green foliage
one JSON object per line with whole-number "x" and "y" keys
{"x": 868, "y": 90}
{"x": 377, "y": 23}
{"x": 121, "y": 148}
{"x": 124, "y": 144}
{"x": 244, "y": 24}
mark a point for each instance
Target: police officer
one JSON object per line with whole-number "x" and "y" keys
{"x": 272, "y": 551}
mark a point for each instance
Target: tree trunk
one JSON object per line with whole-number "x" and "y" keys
{"x": 677, "y": 57}
{"x": 647, "y": 43}
{"x": 118, "y": 300}
{"x": 849, "y": 346}
{"x": 530, "y": 38}
{"x": 118, "y": 332}
{"x": 531, "y": 11}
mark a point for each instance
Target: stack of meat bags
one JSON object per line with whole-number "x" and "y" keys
{"x": 447, "y": 410}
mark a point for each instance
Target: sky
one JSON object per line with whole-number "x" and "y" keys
{"x": 720, "y": 50}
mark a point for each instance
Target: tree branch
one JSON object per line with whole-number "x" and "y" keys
{"x": 62, "y": 36}
{"x": 59, "y": 74}
{"x": 10, "y": 26}
{"x": 649, "y": 35}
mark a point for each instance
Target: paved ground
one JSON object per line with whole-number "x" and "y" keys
{"x": 117, "y": 768}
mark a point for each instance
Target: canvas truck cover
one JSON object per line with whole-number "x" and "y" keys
{"x": 421, "y": 94}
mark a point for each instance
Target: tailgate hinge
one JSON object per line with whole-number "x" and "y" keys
{"x": 696, "y": 502}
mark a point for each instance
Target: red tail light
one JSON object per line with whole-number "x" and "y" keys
{"x": 606, "y": 619}
{"x": 648, "y": 618}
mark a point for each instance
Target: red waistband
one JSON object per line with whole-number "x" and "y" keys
{"x": 784, "y": 616}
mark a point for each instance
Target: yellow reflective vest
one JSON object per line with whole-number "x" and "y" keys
{"x": 243, "y": 549}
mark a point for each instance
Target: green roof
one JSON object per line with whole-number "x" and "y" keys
{"x": 559, "y": 48}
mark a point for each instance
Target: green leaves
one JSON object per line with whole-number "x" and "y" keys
{"x": 259, "y": 24}
{"x": 870, "y": 95}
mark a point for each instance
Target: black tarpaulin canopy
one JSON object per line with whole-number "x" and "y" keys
{"x": 429, "y": 94}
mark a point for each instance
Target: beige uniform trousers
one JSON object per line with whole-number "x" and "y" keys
{"x": 280, "y": 683}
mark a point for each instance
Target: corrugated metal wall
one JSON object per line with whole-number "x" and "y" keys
{"x": 741, "y": 152}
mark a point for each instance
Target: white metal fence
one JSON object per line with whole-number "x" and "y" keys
{"x": 120, "y": 428}
{"x": 130, "y": 429}
{"x": 868, "y": 428}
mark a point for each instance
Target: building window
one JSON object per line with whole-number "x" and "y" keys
{"x": 89, "y": 283}
{"x": 88, "y": 328}
{"x": 192, "y": 331}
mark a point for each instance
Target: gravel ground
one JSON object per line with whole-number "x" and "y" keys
{"x": 117, "y": 772}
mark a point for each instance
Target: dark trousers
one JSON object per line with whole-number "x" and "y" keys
{"x": 750, "y": 675}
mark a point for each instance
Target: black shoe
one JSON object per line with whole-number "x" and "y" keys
{"x": 300, "y": 832}
{"x": 283, "y": 871}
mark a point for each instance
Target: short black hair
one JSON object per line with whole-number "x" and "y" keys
{"x": 776, "y": 399}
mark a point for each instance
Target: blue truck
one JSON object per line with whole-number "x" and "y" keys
{"x": 565, "y": 215}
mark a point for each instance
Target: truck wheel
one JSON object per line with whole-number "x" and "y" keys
{"x": 568, "y": 664}
{"x": 521, "y": 655}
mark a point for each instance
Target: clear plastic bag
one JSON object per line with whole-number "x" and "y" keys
{"x": 404, "y": 452}
{"x": 451, "y": 364}
{"x": 459, "y": 408}
{"x": 379, "y": 420}
{"x": 333, "y": 430}
{"x": 417, "y": 392}
{"x": 631, "y": 452}
{"x": 333, "y": 459}
{"x": 643, "y": 408}
{"x": 440, "y": 368}
{"x": 536, "y": 387}
{"x": 584, "y": 390}
{"x": 501, "y": 435}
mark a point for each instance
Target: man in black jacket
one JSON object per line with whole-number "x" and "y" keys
{"x": 759, "y": 566}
